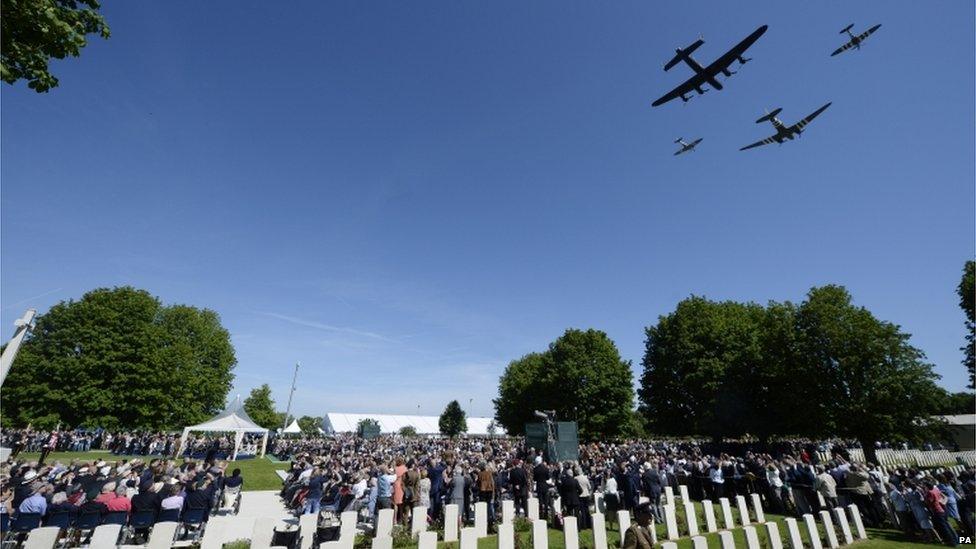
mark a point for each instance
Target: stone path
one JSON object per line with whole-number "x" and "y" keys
{"x": 254, "y": 505}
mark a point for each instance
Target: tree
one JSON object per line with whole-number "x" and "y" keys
{"x": 119, "y": 358}
{"x": 261, "y": 408}
{"x": 408, "y": 431}
{"x": 952, "y": 404}
{"x": 967, "y": 296}
{"x": 34, "y": 31}
{"x": 581, "y": 377}
{"x": 452, "y": 422}
{"x": 309, "y": 425}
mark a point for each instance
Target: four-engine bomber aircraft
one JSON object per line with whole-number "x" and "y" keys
{"x": 707, "y": 74}
{"x": 855, "y": 41}
{"x": 685, "y": 147}
{"x": 782, "y": 131}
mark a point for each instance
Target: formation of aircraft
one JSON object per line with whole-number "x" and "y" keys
{"x": 685, "y": 147}
{"x": 855, "y": 41}
{"x": 708, "y": 75}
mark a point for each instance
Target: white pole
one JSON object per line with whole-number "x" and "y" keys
{"x": 290, "y": 394}
{"x": 23, "y": 326}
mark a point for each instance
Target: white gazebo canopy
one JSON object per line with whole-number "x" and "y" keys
{"x": 232, "y": 420}
{"x": 293, "y": 428}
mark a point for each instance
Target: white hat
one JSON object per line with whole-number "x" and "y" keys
{"x": 100, "y": 464}
{"x": 104, "y": 471}
{"x": 29, "y": 476}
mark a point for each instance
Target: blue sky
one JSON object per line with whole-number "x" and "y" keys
{"x": 406, "y": 196}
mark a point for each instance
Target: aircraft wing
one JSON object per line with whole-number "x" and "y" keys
{"x": 803, "y": 123}
{"x": 861, "y": 36}
{"x": 688, "y": 86}
{"x": 766, "y": 141}
{"x": 723, "y": 62}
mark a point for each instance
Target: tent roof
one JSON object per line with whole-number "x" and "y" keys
{"x": 293, "y": 428}
{"x": 425, "y": 425}
{"x": 233, "y": 418}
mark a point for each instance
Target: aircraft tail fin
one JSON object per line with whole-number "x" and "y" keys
{"x": 769, "y": 115}
{"x": 847, "y": 28}
{"x": 681, "y": 54}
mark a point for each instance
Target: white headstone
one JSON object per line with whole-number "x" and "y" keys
{"x": 669, "y": 545}
{"x": 481, "y": 519}
{"x": 599, "y": 531}
{"x": 821, "y": 500}
{"x": 692, "y": 518}
{"x": 451, "y": 522}
{"x": 858, "y": 524}
{"x": 643, "y": 499}
{"x": 740, "y": 502}
{"x": 384, "y": 523}
{"x": 623, "y": 520}
{"x": 347, "y": 526}
{"x": 570, "y": 533}
{"x": 727, "y": 513}
{"x": 508, "y": 511}
{"x": 709, "y": 511}
{"x": 557, "y": 506}
{"x": 418, "y": 520}
{"x": 812, "y": 531}
{"x": 533, "y": 511}
{"x": 469, "y": 538}
{"x": 772, "y": 532}
{"x": 726, "y": 540}
{"x": 699, "y": 542}
{"x": 382, "y": 542}
{"x": 793, "y": 533}
{"x": 752, "y": 539}
{"x": 671, "y": 522}
{"x": 845, "y": 527}
{"x": 829, "y": 529}
{"x": 506, "y": 536}
{"x": 599, "y": 505}
{"x": 540, "y": 534}
{"x": 668, "y": 495}
{"x": 428, "y": 540}
{"x": 757, "y": 508}
{"x": 683, "y": 492}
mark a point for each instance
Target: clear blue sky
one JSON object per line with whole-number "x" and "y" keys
{"x": 405, "y": 196}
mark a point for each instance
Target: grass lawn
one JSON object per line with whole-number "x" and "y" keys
{"x": 258, "y": 473}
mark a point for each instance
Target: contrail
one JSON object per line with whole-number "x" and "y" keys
{"x": 21, "y": 302}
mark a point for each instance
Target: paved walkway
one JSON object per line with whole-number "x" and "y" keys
{"x": 262, "y": 503}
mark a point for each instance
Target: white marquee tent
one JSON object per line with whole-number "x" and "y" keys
{"x": 424, "y": 425}
{"x": 232, "y": 420}
{"x": 293, "y": 428}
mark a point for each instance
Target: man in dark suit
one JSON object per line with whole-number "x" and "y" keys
{"x": 651, "y": 484}
{"x": 540, "y": 474}
{"x": 519, "y": 485}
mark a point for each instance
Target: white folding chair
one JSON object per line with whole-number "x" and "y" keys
{"x": 42, "y": 538}
{"x": 105, "y": 536}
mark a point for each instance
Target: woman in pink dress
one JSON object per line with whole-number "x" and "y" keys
{"x": 402, "y": 511}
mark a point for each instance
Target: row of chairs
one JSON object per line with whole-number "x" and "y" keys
{"x": 79, "y": 525}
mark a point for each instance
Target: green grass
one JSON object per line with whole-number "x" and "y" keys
{"x": 258, "y": 473}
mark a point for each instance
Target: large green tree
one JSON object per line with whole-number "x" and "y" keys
{"x": 119, "y": 358}
{"x": 967, "y": 296}
{"x": 581, "y": 377}
{"x": 309, "y": 425}
{"x": 260, "y": 406}
{"x": 32, "y": 32}
{"x": 453, "y": 420}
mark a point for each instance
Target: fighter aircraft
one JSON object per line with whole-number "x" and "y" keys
{"x": 855, "y": 41}
{"x": 783, "y": 131}
{"x": 685, "y": 147}
{"x": 707, "y": 75}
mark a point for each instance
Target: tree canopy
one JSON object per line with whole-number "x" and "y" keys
{"x": 581, "y": 377}
{"x": 119, "y": 358}
{"x": 967, "y": 296}
{"x": 32, "y": 32}
{"x": 823, "y": 368}
{"x": 309, "y": 425}
{"x": 261, "y": 407}
{"x": 453, "y": 421}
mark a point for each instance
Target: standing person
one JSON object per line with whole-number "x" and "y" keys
{"x": 540, "y": 475}
{"x": 313, "y": 499}
{"x": 411, "y": 490}
{"x": 717, "y": 479}
{"x": 518, "y": 483}
{"x": 902, "y": 510}
{"x": 401, "y": 512}
{"x": 611, "y": 498}
{"x": 456, "y": 489}
{"x": 384, "y": 489}
{"x": 935, "y": 502}
{"x": 423, "y": 489}
{"x": 916, "y": 502}
{"x": 638, "y": 536}
{"x": 586, "y": 494}
{"x": 486, "y": 490}
{"x": 569, "y": 491}
{"x": 435, "y": 471}
{"x": 49, "y": 446}
{"x": 651, "y": 485}
{"x": 826, "y": 486}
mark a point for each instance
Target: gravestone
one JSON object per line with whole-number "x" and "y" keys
{"x": 726, "y": 540}
{"x": 481, "y": 519}
{"x": 469, "y": 538}
{"x": 557, "y": 506}
{"x": 740, "y": 502}
{"x": 845, "y": 527}
{"x": 508, "y": 511}
{"x": 347, "y": 527}
{"x": 451, "y": 522}
{"x": 757, "y": 508}
{"x": 599, "y": 531}
{"x": 540, "y": 534}
{"x": 599, "y": 506}
{"x": 669, "y": 545}
{"x": 793, "y": 533}
{"x": 683, "y": 492}
{"x": 428, "y": 540}
{"x": 533, "y": 511}
{"x": 506, "y": 536}
{"x": 699, "y": 542}
{"x": 382, "y": 542}
{"x": 752, "y": 538}
{"x": 709, "y": 511}
{"x": 570, "y": 533}
{"x": 692, "y": 518}
{"x": 384, "y": 523}
{"x": 727, "y": 513}
{"x": 812, "y": 531}
{"x": 668, "y": 495}
{"x": 858, "y": 524}
{"x": 418, "y": 520}
{"x": 671, "y": 522}
{"x": 829, "y": 529}
{"x": 772, "y": 532}
{"x": 820, "y": 498}
{"x": 623, "y": 520}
